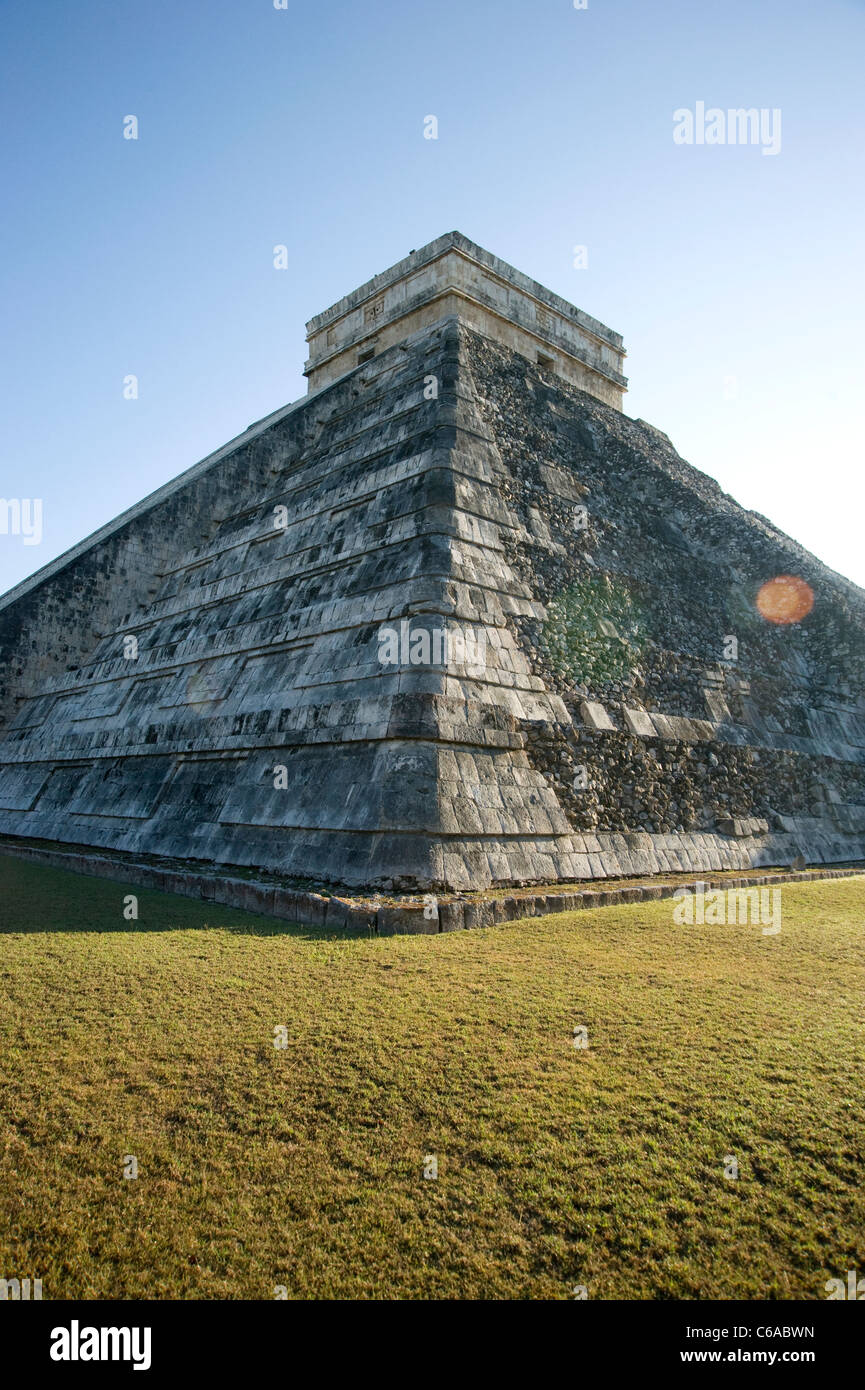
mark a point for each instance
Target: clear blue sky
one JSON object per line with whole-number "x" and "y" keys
{"x": 305, "y": 127}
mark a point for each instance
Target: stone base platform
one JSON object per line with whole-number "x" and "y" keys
{"x": 415, "y": 915}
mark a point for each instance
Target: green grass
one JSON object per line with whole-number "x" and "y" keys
{"x": 304, "y": 1166}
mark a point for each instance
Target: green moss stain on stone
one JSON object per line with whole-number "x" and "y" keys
{"x": 594, "y": 632}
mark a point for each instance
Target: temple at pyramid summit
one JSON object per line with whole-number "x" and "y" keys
{"x": 451, "y": 620}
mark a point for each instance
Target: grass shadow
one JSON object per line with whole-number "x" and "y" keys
{"x": 40, "y": 898}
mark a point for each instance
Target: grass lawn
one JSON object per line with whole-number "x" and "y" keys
{"x": 304, "y": 1166}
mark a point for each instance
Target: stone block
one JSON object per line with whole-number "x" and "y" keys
{"x": 256, "y": 897}
{"x": 719, "y": 710}
{"x": 451, "y": 916}
{"x": 310, "y": 908}
{"x": 640, "y": 723}
{"x": 477, "y": 914}
{"x": 360, "y": 919}
{"x": 336, "y": 914}
{"x": 556, "y": 902}
{"x": 405, "y": 921}
{"x": 594, "y": 714}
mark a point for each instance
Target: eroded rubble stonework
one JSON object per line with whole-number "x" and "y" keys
{"x": 603, "y": 734}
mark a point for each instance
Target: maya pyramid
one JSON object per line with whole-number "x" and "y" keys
{"x": 450, "y": 620}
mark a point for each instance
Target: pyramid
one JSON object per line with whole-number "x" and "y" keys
{"x": 451, "y": 620}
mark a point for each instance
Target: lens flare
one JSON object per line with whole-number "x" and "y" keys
{"x": 785, "y": 599}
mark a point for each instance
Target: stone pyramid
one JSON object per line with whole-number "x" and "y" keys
{"x": 451, "y": 620}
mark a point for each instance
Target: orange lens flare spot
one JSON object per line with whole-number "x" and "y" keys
{"x": 785, "y": 599}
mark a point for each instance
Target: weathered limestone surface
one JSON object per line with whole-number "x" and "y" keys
{"x": 258, "y": 649}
